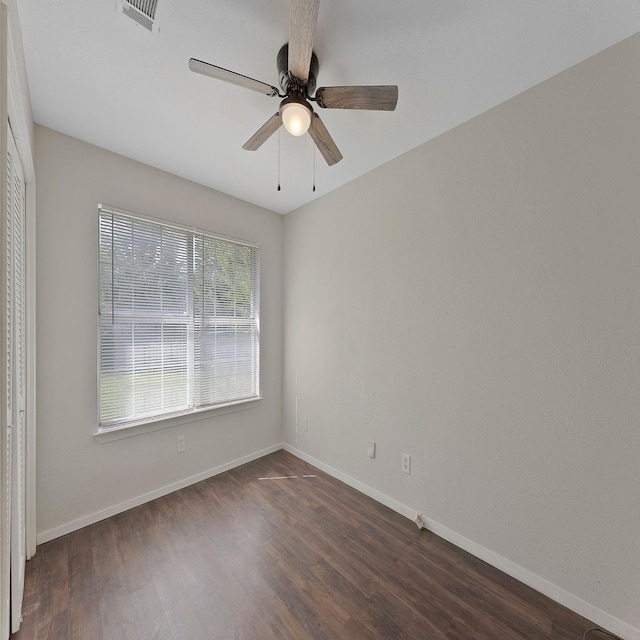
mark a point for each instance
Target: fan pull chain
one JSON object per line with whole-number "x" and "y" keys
{"x": 314, "y": 168}
{"x": 278, "y": 159}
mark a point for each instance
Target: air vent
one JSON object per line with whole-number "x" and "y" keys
{"x": 142, "y": 11}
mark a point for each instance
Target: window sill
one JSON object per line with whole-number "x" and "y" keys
{"x": 118, "y": 433}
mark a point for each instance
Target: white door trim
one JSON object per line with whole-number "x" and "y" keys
{"x": 5, "y": 443}
{"x": 18, "y": 111}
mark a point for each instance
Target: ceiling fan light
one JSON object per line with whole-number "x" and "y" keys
{"x": 296, "y": 118}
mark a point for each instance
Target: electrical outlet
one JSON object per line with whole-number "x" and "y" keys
{"x": 406, "y": 463}
{"x": 306, "y": 424}
{"x": 371, "y": 448}
{"x": 181, "y": 444}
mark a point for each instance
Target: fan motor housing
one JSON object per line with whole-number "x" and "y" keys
{"x": 287, "y": 82}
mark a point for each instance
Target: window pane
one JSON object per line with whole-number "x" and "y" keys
{"x": 228, "y": 274}
{"x": 143, "y": 268}
{"x": 143, "y": 370}
{"x": 225, "y": 362}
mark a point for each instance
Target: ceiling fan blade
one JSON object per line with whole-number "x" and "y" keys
{"x": 263, "y": 133}
{"x": 219, "y": 73}
{"x": 324, "y": 141}
{"x": 377, "y": 98}
{"x": 302, "y": 30}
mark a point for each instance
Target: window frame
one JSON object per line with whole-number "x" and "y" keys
{"x": 125, "y": 428}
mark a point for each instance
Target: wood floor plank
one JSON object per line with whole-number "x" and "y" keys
{"x": 314, "y": 606}
{"x": 274, "y": 550}
{"x": 370, "y": 622}
{"x": 116, "y": 618}
{"x": 270, "y": 605}
{"x": 48, "y": 609}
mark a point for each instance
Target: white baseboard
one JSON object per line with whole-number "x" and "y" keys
{"x": 74, "y": 525}
{"x": 556, "y": 593}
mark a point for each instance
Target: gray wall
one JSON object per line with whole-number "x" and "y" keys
{"x": 476, "y": 304}
{"x": 76, "y": 475}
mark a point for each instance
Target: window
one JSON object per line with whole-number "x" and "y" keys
{"x": 178, "y": 320}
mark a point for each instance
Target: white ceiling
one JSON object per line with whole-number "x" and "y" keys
{"x": 96, "y": 75}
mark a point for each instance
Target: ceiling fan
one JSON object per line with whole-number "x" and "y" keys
{"x": 297, "y": 73}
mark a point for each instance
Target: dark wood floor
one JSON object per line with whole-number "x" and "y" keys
{"x": 306, "y": 557}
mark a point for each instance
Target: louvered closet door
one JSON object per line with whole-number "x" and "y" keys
{"x": 6, "y": 285}
{"x": 16, "y": 307}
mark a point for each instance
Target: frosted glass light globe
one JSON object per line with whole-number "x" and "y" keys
{"x": 296, "y": 118}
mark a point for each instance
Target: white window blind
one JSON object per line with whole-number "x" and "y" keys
{"x": 178, "y": 319}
